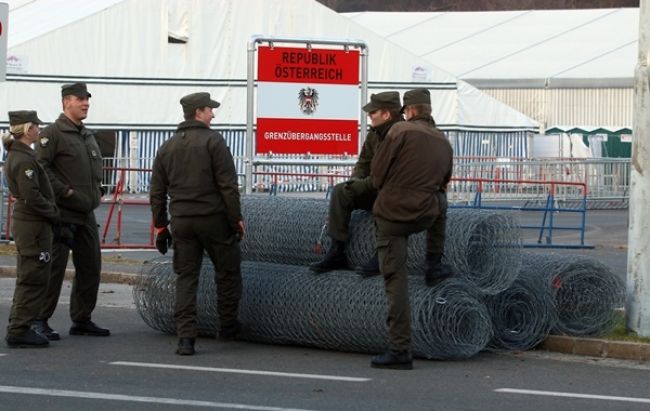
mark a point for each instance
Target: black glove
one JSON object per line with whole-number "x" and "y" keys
{"x": 351, "y": 181}
{"x": 163, "y": 240}
{"x": 64, "y": 233}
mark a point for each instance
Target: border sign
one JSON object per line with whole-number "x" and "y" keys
{"x": 308, "y": 101}
{"x": 4, "y": 25}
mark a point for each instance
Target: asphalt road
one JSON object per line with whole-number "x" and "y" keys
{"x": 135, "y": 369}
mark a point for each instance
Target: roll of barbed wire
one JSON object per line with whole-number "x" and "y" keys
{"x": 523, "y": 315}
{"x": 482, "y": 246}
{"x": 285, "y": 304}
{"x": 283, "y": 230}
{"x": 586, "y": 292}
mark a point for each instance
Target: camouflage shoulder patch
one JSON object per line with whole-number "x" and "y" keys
{"x": 29, "y": 173}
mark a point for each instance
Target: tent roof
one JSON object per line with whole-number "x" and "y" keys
{"x": 553, "y": 45}
{"x": 121, "y": 48}
{"x": 32, "y": 18}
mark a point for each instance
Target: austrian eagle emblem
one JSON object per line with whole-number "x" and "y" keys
{"x": 308, "y": 100}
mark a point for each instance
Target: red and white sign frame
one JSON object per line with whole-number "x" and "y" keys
{"x": 307, "y": 101}
{"x": 331, "y": 128}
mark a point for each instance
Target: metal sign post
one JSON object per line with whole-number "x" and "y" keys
{"x": 638, "y": 257}
{"x": 4, "y": 32}
{"x": 308, "y": 98}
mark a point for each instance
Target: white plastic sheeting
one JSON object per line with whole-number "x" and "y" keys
{"x": 506, "y": 45}
{"x": 121, "y": 48}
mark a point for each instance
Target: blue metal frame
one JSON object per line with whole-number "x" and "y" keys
{"x": 548, "y": 221}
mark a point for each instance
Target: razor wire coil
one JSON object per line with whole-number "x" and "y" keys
{"x": 286, "y": 304}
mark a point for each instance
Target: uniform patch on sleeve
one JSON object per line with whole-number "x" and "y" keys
{"x": 29, "y": 173}
{"x": 44, "y": 141}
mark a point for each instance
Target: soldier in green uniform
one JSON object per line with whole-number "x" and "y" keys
{"x": 33, "y": 215}
{"x": 411, "y": 170}
{"x": 356, "y": 193}
{"x": 71, "y": 157}
{"x": 196, "y": 170}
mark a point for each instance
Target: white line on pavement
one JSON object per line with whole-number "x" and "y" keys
{"x": 573, "y": 395}
{"x": 238, "y": 371}
{"x": 2, "y": 354}
{"x": 134, "y": 398}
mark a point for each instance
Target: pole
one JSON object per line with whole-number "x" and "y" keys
{"x": 638, "y": 257}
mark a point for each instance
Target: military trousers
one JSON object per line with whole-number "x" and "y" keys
{"x": 436, "y": 233}
{"x": 191, "y": 236}
{"x": 33, "y": 265}
{"x": 87, "y": 260}
{"x": 345, "y": 199}
{"x": 392, "y": 246}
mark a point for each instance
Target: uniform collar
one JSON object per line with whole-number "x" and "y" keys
{"x": 192, "y": 124}
{"x": 23, "y": 148}
{"x": 382, "y": 130}
{"x": 65, "y": 124}
{"x": 424, "y": 119}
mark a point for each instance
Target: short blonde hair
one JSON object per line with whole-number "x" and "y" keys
{"x": 18, "y": 129}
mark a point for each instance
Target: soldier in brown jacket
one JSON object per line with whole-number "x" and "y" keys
{"x": 357, "y": 193}
{"x": 33, "y": 215}
{"x": 71, "y": 157}
{"x": 411, "y": 170}
{"x": 196, "y": 170}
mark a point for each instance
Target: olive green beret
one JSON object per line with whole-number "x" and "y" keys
{"x": 75, "y": 89}
{"x": 417, "y": 96}
{"x": 386, "y": 100}
{"x": 198, "y": 100}
{"x": 23, "y": 116}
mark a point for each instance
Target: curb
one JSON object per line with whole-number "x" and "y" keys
{"x": 106, "y": 277}
{"x": 596, "y": 347}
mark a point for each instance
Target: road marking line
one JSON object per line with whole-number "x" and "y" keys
{"x": 238, "y": 371}
{"x": 1, "y": 354}
{"x": 135, "y": 398}
{"x": 573, "y": 395}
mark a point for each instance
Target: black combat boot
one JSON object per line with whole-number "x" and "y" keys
{"x": 230, "y": 332}
{"x": 436, "y": 271}
{"x": 396, "y": 360}
{"x": 185, "y": 346}
{"x": 88, "y": 328}
{"x": 334, "y": 259}
{"x": 370, "y": 268}
{"x": 29, "y": 339}
{"x": 42, "y": 327}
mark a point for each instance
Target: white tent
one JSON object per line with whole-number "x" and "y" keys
{"x": 526, "y": 47}
{"x": 559, "y": 67}
{"x": 136, "y": 75}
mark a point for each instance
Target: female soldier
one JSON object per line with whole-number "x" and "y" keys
{"x": 34, "y": 213}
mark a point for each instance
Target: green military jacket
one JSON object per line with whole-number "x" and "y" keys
{"x": 71, "y": 157}
{"x": 373, "y": 139}
{"x": 413, "y": 164}
{"x": 29, "y": 184}
{"x": 196, "y": 170}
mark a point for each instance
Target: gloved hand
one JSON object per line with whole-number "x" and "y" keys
{"x": 64, "y": 233}
{"x": 351, "y": 181}
{"x": 163, "y": 240}
{"x": 358, "y": 185}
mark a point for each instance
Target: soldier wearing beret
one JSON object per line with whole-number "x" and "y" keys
{"x": 33, "y": 215}
{"x": 411, "y": 170}
{"x": 71, "y": 157}
{"x": 205, "y": 215}
{"x": 357, "y": 193}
